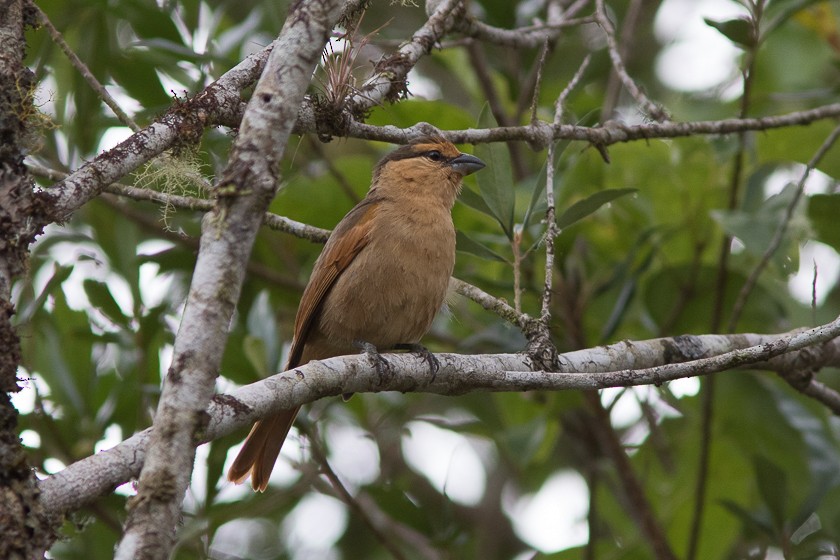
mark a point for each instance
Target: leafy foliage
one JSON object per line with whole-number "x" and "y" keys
{"x": 638, "y": 257}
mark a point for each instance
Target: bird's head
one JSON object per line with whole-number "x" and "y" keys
{"x": 429, "y": 166}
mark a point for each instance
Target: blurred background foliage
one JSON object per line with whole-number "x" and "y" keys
{"x": 483, "y": 475}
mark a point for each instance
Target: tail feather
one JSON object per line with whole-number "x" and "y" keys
{"x": 260, "y": 450}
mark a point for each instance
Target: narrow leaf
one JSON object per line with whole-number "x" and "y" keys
{"x": 495, "y": 182}
{"x": 474, "y": 201}
{"x": 772, "y": 485}
{"x": 752, "y": 520}
{"x": 738, "y": 30}
{"x": 588, "y": 205}
{"x": 254, "y": 349}
{"x": 823, "y": 210}
{"x": 101, "y": 298}
{"x": 537, "y": 205}
{"x": 809, "y": 527}
{"x": 60, "y": 274}
{"x": 465, "y": 244}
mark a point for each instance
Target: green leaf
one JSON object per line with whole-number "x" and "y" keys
{"x": 495, "y": 182}
{"x": 739, "y": 30}
{"x": 823, "y": 210}
{"x": 820, "y": 451}
{"x": 474, "y": 201}
{"x": 809, "y": 527}
{"x": 537, "y": 205}
{"x": 465, "y": 244}
{"x": 588, "y": 205}
{"x": 756, "y": 229}
{"x": 254, "y": 349}
{"x": 525, "y": 441}
{"x": 169, "y": 260}
{"x": 59, "y": 275}
{"x": 262, "y": 325}
{"x": 754, "y": 521}
{"x": 779, "y": 11}
{"x": 772, "y": 485}
{"x": 101, "y": 298}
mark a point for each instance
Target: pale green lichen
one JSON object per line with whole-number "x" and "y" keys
{"x": 173, "y": 175}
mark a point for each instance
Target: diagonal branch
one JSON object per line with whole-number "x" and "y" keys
{"x": 651, "y": 108}
{"x": 85, "y": 71}
{"x": 779, "y": 234}
{"x": 184, "y": 120}
{"x": 246, "y": 188}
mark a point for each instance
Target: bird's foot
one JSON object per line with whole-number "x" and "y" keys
{"x": 380, "y": 364}
{"x": 425, "y": 354}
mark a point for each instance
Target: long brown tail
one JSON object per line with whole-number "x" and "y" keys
{"x": 261, "y": 448}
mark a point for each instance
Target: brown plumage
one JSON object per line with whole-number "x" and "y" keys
{"x": 380, "y": 279}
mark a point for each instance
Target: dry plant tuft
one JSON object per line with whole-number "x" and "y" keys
{"x": 338, "y": 83}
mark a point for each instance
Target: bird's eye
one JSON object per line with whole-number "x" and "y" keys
{"x": 434, "y": 155}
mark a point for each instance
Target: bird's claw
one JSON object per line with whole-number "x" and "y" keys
{"x": 380, "y": 364}
{"x": 425, "y": 354}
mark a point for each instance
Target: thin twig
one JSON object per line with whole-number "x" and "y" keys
{"x": 340, "y": 178}
{"x": 493, "y": 304}
{"x": 628, "y": 33}
{"x": 721, "y": 281}
{"x": 614, "y": 133}
{"x": 655, "y": 111}
{"x": 814, "y": 294}
{"x": 554, "y": 13}
{"x": 641, "y": 509}
{"x": 779, "y": 234}
{"x": 254, "y": 268}
{"x": 538, "y": 81}
{"x": 550, "y": 236}
{"x": 479, "y": 64}
{"x": 522, "y": 37}
{"x": 85, "y": 71}
{"x": 272, "y": 221}
{"x": 348, "y": 498}
{"x": 823, "y": 394}
{"x": 516, "y": 248}
{"x": 560, "y": 104}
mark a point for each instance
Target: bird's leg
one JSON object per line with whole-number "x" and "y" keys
{"x": 417, "y": 348}
{"x": 383, "y": 368}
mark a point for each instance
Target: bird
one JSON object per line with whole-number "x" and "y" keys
{"x": 379, "y": 281}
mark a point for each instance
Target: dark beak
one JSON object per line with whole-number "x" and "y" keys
{"x": 466, "y": 164}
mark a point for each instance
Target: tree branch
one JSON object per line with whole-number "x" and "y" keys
{"x": 26, "y": 532}
{"x": 184, "y": 122}
{"x": 245, "y": 189}
{"x": 542, "y": 133}
{"x": 77, "y": 63}
{"x": 779, "y": 234}
{"x": 655, "y": 111}
{"x": 618, "y": 365}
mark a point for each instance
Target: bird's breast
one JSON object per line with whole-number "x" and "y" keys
{"x": 393, "y": 289}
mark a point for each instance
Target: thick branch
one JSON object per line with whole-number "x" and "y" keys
{"x": 184, "y": 122}
{"x": 246, "y": 188}
{"x": 604, "y": 366}
{"x": 24, "y": 531}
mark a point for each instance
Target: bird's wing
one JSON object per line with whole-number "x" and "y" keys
{"x": 350, "y": 236}
{"x": 262, "y": 446}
